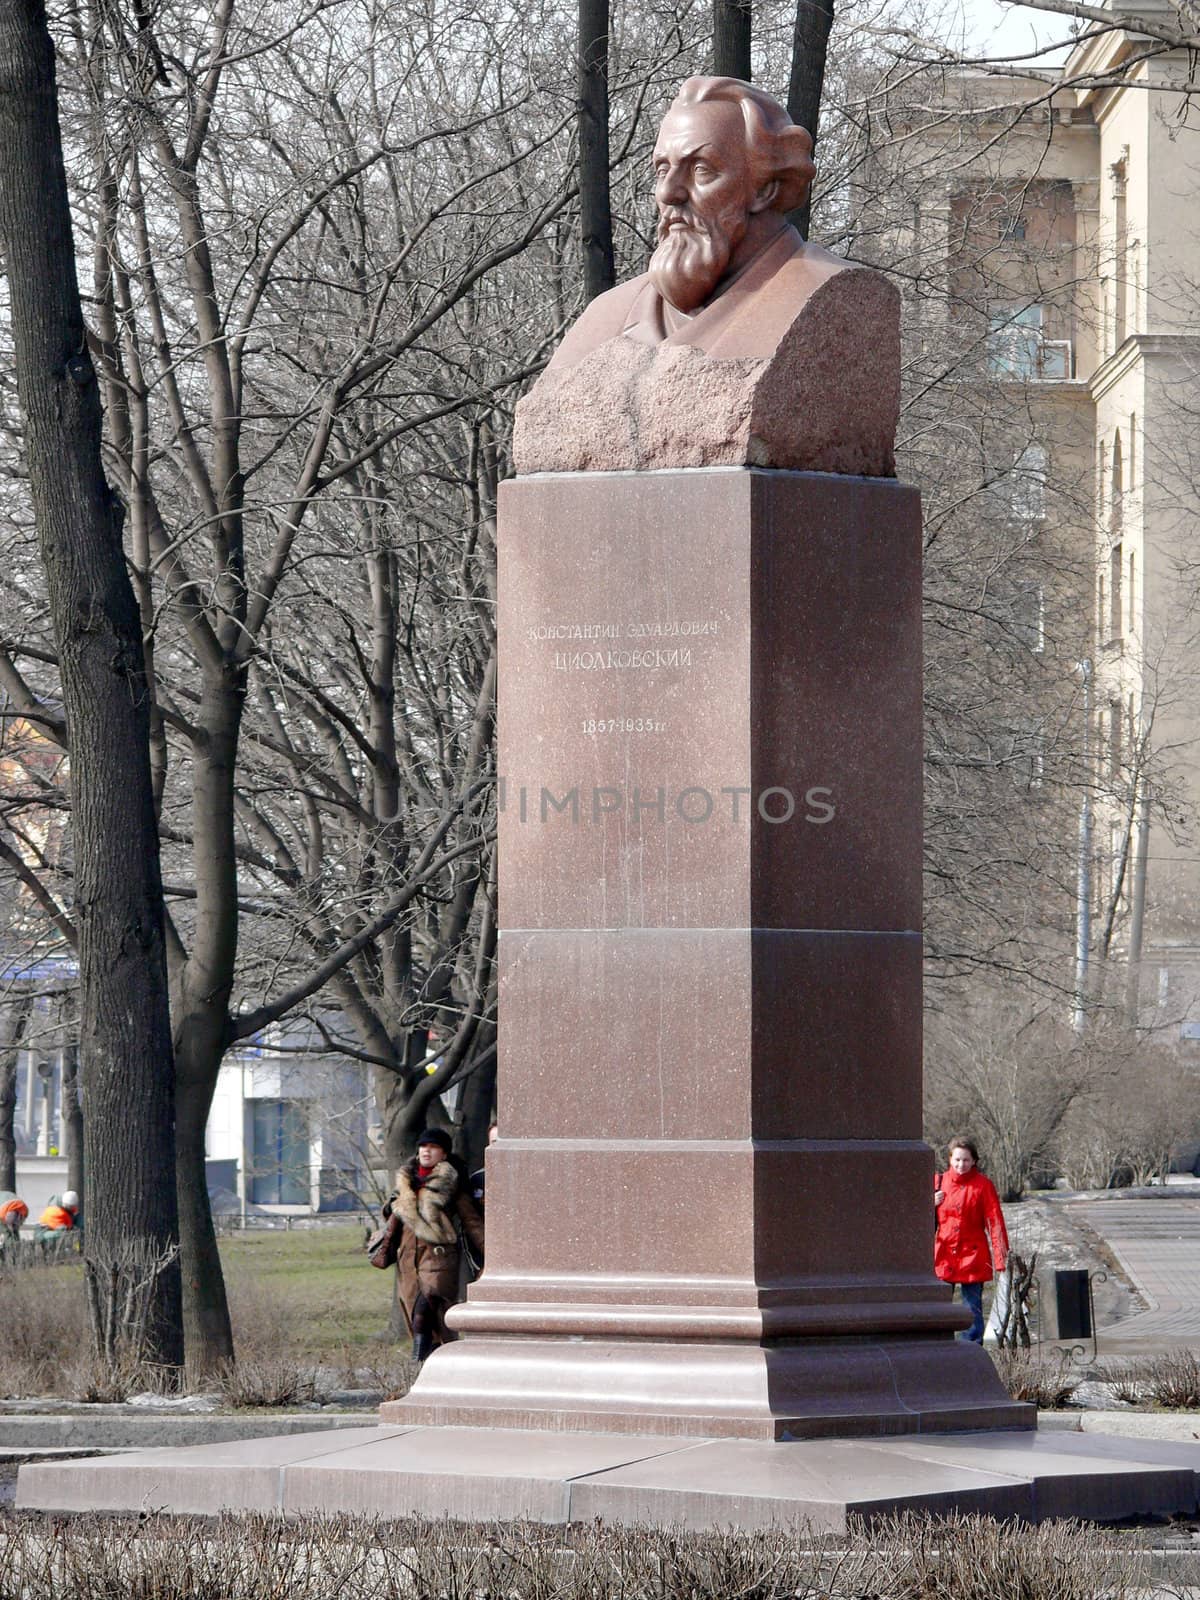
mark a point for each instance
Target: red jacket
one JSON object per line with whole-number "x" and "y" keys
{"x": 968, "y": 1220}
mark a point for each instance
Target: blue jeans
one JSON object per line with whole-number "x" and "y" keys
{"x": 972, "y": 1294}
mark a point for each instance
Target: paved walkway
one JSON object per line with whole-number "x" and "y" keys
{"x": 1157, "y": 1242}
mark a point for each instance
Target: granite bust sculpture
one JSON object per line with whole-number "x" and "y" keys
{"x": 741, "y": 344}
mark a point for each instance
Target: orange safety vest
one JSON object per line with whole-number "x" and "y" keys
{"x": 56, "y": 1217}
{"x": 13, "y": 1210}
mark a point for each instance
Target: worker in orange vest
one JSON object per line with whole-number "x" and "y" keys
{"x": 59, "y": 1216}
{"x": 13, "y": 1212}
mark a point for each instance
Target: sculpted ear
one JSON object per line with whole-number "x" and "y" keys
{"x": 767, "y": 197}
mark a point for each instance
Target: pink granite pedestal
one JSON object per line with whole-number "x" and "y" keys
{"x": 709, "y": 1211}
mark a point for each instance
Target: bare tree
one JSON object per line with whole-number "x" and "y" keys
{"x": 126, "y": 1041}
{"x": 595, "y": 206}
{"x": 731, "y": 38}
{"x": 17, "y": 1013}
{"x": 810, "y": 46}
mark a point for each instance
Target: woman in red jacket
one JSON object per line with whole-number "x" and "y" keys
{"x": 971, "y": 1239}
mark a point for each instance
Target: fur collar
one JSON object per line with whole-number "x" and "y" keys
{"x": 425, "y": 1210}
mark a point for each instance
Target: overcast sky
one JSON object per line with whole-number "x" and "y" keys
{"x": 995, "y": 29}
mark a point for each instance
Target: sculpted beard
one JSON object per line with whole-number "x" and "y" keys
{"x": 691, "y": 260}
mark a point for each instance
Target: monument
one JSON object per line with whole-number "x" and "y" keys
{"x": 709, "y": 1210}
{"x": 708, "y": 1294}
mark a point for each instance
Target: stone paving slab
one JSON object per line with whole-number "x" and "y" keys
{"x": 569, "y": 1477}
{"x": 1102, "y": 1479}
{"x": 747, "y": 1484}
{"x": 467, "y": 1473}
{"x": 241, "y": 1475}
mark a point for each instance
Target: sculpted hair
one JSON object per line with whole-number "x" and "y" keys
{"x": 779, "y": 147}
{"x": 963, "y": 1144}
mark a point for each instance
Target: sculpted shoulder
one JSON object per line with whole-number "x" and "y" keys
{"x": 601, "y": 321}
{"x": 746, "y": 320}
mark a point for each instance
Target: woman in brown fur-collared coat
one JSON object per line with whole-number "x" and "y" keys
{"x": 432, "y": 1200}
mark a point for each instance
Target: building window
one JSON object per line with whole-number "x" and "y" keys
{"x": 1029, "y": 616}
{"x": 1027, "y": 495}
{"x": 1101, "y": 617}
{"x": 280, "y": 1157}
{"x": 1117, "y": 507}
{"x": 1114, "y": 739}
{"x": 1014, "y": 341}
{"x": 1116, "y": 851}
{"x": 1037, "y": 759}
{"x": 1018, "y": 348}
{"x": 1131, "y": 591}
{"x": 1114, "y": 591}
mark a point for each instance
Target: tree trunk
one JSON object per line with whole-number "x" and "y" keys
{"x": 392, "y": 1090}
{"x": 478, "y": 1103}
{"x": 72, "y": 1120}
{"x": 19, "y": 1013}
{"x": 124, "y": 1021}
{"x": 731, "y": 39}
{"x": 810, "y": 42}
{"x": 595, "y": 206}
{"x": 208, "y": 1334}
{"x": 202, "y": 1012}
{"x": 8, "y": 1107}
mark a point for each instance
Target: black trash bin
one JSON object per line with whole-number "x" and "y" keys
{"x": 1072, "y": 1305}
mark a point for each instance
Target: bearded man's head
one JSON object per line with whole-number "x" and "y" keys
{"x": 725, "y": 153}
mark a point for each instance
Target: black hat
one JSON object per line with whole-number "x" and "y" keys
{"x": 437, "y": 1136}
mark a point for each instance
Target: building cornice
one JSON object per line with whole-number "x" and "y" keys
{"x": 1102, "y": 54}
{"x": 1136, "y": 348}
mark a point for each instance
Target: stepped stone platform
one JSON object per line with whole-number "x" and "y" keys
{"x": 501, "y": 1474}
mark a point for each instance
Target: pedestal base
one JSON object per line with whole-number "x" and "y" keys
{"x": 488, "y": 1474}
{"x": 810, "y": 1389}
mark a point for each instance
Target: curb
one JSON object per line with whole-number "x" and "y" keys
{"x": 1183, "y": 1427}
{"x": 149, "y": 1431}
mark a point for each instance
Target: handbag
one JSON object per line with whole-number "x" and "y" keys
{"x": 384, "y": 1244}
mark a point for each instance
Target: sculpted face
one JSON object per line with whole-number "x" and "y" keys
{"x": 705, "y": 191}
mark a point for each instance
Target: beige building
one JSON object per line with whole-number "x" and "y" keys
{"x": 1065, "y": 217}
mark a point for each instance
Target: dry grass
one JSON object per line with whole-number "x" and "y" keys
{"x": 344, "y": 1558}
{"x": 45, "y": 1330}
{"x": 302, "y": 1307}
{"x": 1047, "y": 1384}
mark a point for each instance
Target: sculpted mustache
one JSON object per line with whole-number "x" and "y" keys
{"x": 669, "y": 219}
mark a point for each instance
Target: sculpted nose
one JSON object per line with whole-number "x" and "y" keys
{"x": 670, "y": 189}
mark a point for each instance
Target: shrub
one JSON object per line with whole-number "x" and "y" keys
{"x": 1127, "y": 1380}
{"x": 269, "y": 1381}
{"x": 153, "y": 1557}
{"x": 1173, "y": 1379}
{"x": 386, "y": 1373}
{"x": 1047, "y": 1384}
